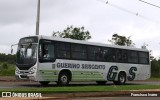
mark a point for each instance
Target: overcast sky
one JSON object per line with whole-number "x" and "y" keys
{"x": 125, "y": 17}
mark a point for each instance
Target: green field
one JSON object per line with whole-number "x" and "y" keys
{"x": 154, "y": 79}
{"x": 74, "y": 89}
{"x": 7, "y": 69}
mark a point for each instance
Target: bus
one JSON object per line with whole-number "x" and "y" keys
{"x": 52, "y": 59}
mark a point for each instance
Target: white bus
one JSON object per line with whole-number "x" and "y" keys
{"x": 46, "y": 59}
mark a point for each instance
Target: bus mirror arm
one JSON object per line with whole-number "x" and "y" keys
{"x": 11, "y": 50}
{"x": 12, "y": 47}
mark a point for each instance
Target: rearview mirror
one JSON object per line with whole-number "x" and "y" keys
{"x": 11, "y": 50}
{"x": 12, "y": 47}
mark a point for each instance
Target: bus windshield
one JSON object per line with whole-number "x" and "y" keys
{"x": 27, "y": 53}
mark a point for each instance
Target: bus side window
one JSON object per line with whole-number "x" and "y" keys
{"x": 63, "y": 50}
{"x": 119, "y": 55}
{"x": 132, "y": 56}
{"x": 108, "y": 54}
{"x": 124, "y": 56}
{"x": 143, "y": 58}
{"x": 51, "y": 51}
{"x": 94, "y": 53}
{"x": 46, "y": 52}
{"x": 40, "y": 51}
{"x": 98, "y": 54}
{"x": 105, "y": 54}
{"x": 78, "y": 51}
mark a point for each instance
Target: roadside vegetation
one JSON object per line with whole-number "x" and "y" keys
{"x": 7, "y": 58}
{"x": 7, "y": 69}
{"x": 155, "y": 68}
{"x": 7, "y": 64}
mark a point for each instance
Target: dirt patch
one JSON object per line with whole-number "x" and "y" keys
{"x": 10, "y": 79}
{"x": 7, "y": 78}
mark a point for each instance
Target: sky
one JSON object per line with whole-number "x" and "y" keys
{"x": 124, "y": 17}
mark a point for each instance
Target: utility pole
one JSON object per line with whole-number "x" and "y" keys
{"x": 38, "y": 18}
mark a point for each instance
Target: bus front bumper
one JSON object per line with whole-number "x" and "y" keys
{"x": 25, "y": 77}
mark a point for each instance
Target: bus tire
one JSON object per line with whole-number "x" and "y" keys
{"x": 63, "y": 79}
{"x": 101, "y": 82}
{"x": 44, "y": 83}
{"x": 121, "y": 79}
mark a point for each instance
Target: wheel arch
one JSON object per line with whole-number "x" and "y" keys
{"x": 120, "y": 72}
{"x": 119, "y": 81}
{"x": 67, "y": 71}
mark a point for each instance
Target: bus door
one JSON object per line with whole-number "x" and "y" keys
{"x": 46, "y": 59}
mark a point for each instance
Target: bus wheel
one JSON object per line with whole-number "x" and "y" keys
{"x": 121, "y": 79}
{"x": 63, "y": 79}
{"x": 44, "y": 83}
{"x": 101, "y": 82}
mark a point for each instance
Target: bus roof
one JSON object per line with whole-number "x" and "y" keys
{"x": 89, "y": 43}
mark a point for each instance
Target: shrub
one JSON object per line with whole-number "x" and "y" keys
{"x": 5, "y": 65}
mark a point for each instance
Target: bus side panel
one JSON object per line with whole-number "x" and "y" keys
{"x": 81, "y": 71}
{"x": 46, "y": 72}
{"x": 135, "y": 71}
{"x": 144, "y": 72}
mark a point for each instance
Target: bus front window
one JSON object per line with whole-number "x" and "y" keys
{"x": 27, "y": 54}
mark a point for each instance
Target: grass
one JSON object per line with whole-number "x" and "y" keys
{"x": 154, "y": 79}
{"x": 7, "y": 69}
{"x": 74, "y": 89}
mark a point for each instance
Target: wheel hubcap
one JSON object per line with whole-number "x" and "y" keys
{"x": 64, "y": 79}
{"x": 122, "y": 79}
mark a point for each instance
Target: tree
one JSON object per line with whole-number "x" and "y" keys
{"x": 78, "y": 33}
{"x": 144, "y": 46}
{"x": 121, "y": 40}
{"x": 151, "y": 56}
{"x": 155, "y": 67}
{"x": 7, "y": 58}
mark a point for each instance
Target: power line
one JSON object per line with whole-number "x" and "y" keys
{"x": 123, "y": 9}
{"x": 128, "y": 11}
{"x": 149, "y": 3}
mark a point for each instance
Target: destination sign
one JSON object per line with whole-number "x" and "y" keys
{"x": 28, "y": 40}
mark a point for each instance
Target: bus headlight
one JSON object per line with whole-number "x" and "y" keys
{"x": 17, "y": 71}
{"x": 32, "y": 70}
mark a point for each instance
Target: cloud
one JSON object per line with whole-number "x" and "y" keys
{"x": 18, "y": 19}
{"x": 14, "y": 11}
